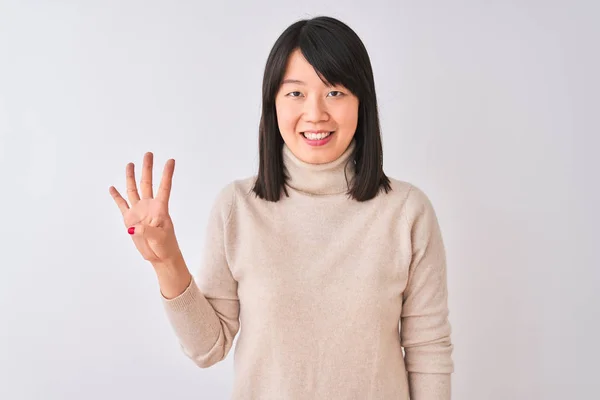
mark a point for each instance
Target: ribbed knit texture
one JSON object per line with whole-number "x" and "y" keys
{"x": 327, "y": 290}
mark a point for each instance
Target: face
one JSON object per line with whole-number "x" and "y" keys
{"x": 316, "y": 122}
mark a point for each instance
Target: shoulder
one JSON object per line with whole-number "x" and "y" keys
{"x": 233, "y": 191}
{"x": 414, "y": 200}
{"x": 240, "y": 188}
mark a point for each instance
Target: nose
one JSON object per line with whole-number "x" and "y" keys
{"x": 315, "y": 110}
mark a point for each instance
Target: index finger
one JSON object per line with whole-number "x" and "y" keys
{"x": 166, "y": 182}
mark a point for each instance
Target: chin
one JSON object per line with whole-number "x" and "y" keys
{"x": 315, "y": 153}
{"x": 319, "y": 156}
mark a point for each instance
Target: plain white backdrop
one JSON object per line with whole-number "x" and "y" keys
{"x": 491, "y": 107}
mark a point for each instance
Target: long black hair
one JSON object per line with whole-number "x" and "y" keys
{"x": 340, "y": 58}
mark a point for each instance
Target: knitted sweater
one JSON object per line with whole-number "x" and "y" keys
{"x": 325, "y": 292}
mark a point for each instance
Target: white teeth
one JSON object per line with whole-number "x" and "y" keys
{"x": 316, "y": 136}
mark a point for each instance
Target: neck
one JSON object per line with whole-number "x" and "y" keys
{"x": 320, "y": 179}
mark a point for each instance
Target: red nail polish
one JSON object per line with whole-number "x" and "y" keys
{"x": 131, "y": 230}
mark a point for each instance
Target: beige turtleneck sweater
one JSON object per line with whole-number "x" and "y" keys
{"x": 328, "y": 292}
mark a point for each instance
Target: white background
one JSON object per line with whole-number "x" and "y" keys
{"x": 490, "y": 107}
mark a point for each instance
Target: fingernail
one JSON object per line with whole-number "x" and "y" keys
{"x": 131, "y": 230}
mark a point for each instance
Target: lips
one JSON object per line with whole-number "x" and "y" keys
{"x": 317, "y": 140}
{"x": 311, "y": 135}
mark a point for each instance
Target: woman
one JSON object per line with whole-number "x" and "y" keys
{"x": 330, "y": 267}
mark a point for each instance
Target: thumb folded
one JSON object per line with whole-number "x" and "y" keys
{"x": 147, "y": 231}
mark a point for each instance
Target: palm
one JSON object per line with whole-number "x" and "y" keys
{"x": 146, "y": 210}
{"x": 154, "y": 235}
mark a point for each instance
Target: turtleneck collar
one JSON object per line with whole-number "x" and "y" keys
{"x": 320, "y": 179}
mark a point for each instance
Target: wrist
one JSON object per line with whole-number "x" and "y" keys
{"x": 173, "y": 277}
{"x": 173, "y": 263}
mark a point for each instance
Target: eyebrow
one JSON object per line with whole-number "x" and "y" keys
{"x": 293, "y": 81}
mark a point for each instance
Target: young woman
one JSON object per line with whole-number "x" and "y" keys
{"x": 331, "y": 268}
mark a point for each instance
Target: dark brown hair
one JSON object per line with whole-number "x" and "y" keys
{"x": 340, "y": 58}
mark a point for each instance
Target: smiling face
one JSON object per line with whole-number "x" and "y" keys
{"x": 317, "y": 122}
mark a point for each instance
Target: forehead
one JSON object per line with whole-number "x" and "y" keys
{"x": 298, "y": 68}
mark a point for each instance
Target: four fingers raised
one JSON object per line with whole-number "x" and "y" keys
{"x": 164, "y": 190}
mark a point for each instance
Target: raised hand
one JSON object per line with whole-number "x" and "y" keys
{"x": 147, "y": 217}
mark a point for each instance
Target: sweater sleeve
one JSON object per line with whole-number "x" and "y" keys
{"x": 205, "y": 317}
{"x": 425, "y": 328}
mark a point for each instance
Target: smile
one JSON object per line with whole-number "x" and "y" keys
{"x": 316, "y": 136}
{"x": 317, "y": 139}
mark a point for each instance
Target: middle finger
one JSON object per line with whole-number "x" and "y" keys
{"x": 146, "y": 182}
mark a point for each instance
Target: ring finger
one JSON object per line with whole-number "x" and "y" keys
{"x": 132, "y": 192}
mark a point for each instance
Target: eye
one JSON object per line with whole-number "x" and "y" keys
{"x": 339, "y": 94}
{"x": 294, "y": 94}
